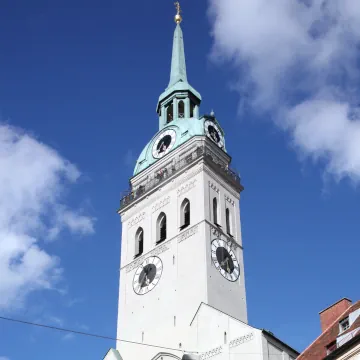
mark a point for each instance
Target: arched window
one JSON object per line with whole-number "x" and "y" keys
{"x": 215, "y": 211}
{"x": 181, "y": 109}
{"x": 228, "y": 221}
{"x": 139, "y": 242}
{"x": 161, "y": 228}
{"x": 185, "y": 214}
{"x": 225, "y": 338}
{"x": 169, "y": 113}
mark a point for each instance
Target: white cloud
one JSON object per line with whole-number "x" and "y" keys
{"x": 33, "y": 178}
{"x": 4, "y": 358}
{"x": 297, "y": 61}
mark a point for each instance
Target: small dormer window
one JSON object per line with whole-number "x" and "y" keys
{"x": 344, "y": 324}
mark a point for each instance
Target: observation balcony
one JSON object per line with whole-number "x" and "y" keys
{"x": 165, "y": 173}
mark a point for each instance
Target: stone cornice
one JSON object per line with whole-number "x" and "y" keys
{"x": 182, "y": 236}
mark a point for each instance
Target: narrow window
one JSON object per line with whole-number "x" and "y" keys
{"x": 192, "y": 105}
{"x": 174, "y": 320}
{"x": 139, "y": 242}
{"x": 181, "y": 109}
{"x": 344, "y": 324}
{"x": 225, "y": 338}
{"x": 228, "y": 221}
{"x": 142, "y": 336}
{"x": 215, "y": 211}
{"x": 161, "y": 228}
{"x": 185, "y": 214}
{"x": 169, "y": 113}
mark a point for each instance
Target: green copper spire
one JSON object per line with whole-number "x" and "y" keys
{"x": 178, "y": 64}
{"x": 179, "y": 100}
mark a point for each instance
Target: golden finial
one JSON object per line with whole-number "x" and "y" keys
{"x": 178, "y": 18}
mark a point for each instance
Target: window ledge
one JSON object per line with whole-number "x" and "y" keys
{"x": 184, "y": 227}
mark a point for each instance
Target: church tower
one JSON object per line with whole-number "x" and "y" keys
{"x": 182, "y": 284}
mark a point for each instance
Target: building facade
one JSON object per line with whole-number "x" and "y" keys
{"x": 340, "y": 336}
{"x": 182, "y": 279}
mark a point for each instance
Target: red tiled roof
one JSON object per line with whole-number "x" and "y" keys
{"x": 317, "y": 349}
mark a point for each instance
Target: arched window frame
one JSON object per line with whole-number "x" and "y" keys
{"x": 161, "y": 228}
{"x": 215, "y": 209}
{"x": 228, "y": 221}
{"x": 139, "y": 242}
{"x": 185, "y": 213}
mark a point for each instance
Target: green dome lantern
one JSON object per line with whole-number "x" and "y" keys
{"x": 177, "y": 108}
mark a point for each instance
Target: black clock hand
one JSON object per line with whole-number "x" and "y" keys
{"x": 144, "y": 280}
{"x": 226, "y": 260}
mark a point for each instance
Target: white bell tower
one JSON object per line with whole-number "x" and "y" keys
{"x": 182, "y": 284}
{"x": 181, "y": 234}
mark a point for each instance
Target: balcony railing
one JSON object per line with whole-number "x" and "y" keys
{"x": 343, "y": 340}
{"x": 201, "y": 152}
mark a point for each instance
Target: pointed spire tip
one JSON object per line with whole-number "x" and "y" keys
{"x": 178, "y": 17}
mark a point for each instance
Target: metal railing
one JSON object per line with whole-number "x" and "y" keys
{"x": 343, "y": 340}
{"x": 201, "y": 152}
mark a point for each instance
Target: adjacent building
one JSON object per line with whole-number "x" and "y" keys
{"x": 340, "y": 336}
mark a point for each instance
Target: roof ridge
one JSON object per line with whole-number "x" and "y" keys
{"x": 330, "y": 326}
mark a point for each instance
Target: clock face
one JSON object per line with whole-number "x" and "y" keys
{"x": 164, "y": 143}
{"x": 214, "y": 133}
{"x": 225, "y": 260}
{"x": 147, "y": 275}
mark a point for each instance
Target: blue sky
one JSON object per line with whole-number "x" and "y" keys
{"x": 79, "y": 82}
